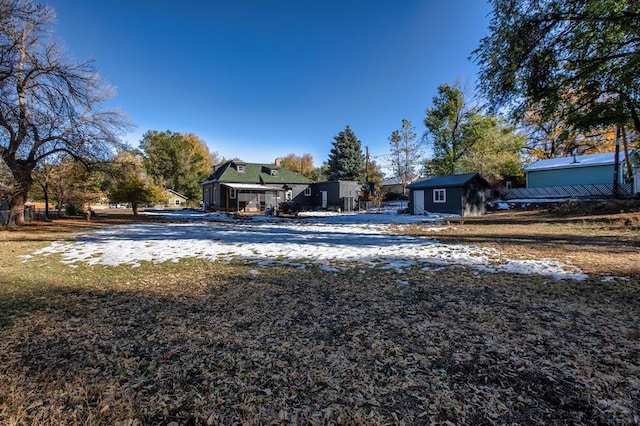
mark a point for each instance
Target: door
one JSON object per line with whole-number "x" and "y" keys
{"x": 418, "y": 202}
{"x": 324, "y": 199}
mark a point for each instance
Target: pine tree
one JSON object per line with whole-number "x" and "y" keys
{"x": 346, "y": 161}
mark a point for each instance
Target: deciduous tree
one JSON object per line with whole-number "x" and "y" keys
{"x": 496, "y": 148}
{"x": 49, "y": 104}
{"x": 445, "y": 122}
{"x": 551, "y": 136}
{"x": 179, "y": 161}
{"x": 405, "y": 152}
{"x": 464, "y": 140}
{"x": 131, "y": 184}
{"x": 303, "y": 164}
{"x": 538, "y": 51}
{"x": 372, "y": 188}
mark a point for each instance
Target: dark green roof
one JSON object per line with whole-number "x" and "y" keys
{"x": 447, "y": 181}
{"x": 256, "y": 173}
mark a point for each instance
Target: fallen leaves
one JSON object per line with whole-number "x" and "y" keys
{"x": 290, "y": 346}
{"x": 207, "y": 343}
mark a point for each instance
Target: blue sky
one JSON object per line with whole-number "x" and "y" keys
{"x": 258, "y": 79}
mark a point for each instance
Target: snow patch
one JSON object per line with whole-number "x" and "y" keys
{"x": 333, "y": 242}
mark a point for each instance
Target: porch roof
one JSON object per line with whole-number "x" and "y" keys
{"x": 252, "y": 187}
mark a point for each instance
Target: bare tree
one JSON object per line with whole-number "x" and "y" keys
{"x": 405, "y": 152}
{"x": 48, "y": 104}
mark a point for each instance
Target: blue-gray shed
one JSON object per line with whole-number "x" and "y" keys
{"x": 463, "y": 194}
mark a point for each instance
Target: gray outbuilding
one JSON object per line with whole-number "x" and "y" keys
{"x": 463, "y": 194}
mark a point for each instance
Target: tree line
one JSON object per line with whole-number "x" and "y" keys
{"x": 557, "y": 77}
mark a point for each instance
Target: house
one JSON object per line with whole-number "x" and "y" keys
{"x": 250, "y": 187}
{"x": 580, "y": 175}
{"x": 175, "y": 200}
{"x": 463, "y": 194}
{"x": 336, "y": 195}
{"x": 393, "y": 185}
{"x": 588, "y": 169}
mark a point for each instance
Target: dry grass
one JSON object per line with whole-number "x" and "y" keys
{"x": 599, "y": 244}
{"x": 204, "y": 343}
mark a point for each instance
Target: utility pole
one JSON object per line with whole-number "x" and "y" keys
{"x": 366, "y": 164}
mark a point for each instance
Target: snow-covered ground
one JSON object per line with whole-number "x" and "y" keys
{"x": 331, "y": 240}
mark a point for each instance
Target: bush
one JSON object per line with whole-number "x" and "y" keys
{"x": 395, "y": 196}
{"x": 71, "y": 209}
{"x": 290, "y": 207}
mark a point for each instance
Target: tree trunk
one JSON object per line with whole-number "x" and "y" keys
{"x": 45, "y": 189}
{"x": 634, "y": 116}
{"x": 627, "y": 160}
{"x": 18, "y": 200}
{"x": 134, "y": 207}
{"x": 23, "y": 182}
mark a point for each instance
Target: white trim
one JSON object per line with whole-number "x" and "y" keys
{"x": 307, "y": 191}
{"x": 252, "y": 186}
{"x": 440, "y": 195}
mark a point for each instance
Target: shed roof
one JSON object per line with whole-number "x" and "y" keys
{"x": 447, "y": 181}
{"x": 395, "y": 180}
{"x": 589, "y": 160}
{"x": 177, "y": 194}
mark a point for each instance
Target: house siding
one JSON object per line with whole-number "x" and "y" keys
{"x": 453, "y": 202}
{"x": 340, "y": 194}
{"x": 216, "y": 193}
{"x": 474, "y": 200}
{"x": 212, "y": 196}
{"x": 465, "y": 194}
{"x": 602, "y": 174}
{"x": 297, "y": 193}
{"x": 279, "y": 183}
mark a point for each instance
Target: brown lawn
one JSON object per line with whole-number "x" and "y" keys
{"x": 206, "y": 343}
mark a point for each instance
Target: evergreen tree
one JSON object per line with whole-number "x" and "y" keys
{"x": 346, "y": 161}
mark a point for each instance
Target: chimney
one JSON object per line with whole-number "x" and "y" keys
{"x": 575, "y": 153}
{"x": 278, "y": 162}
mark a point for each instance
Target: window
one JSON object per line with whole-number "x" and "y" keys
{"x": 177, "y": 202}
{"x": 240, "y": 169}
{"x": 439, "y": 195}
{"x": 232, "y": 193}
{"x": 274, "y": 172}
{"x": 307, "y": 191}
